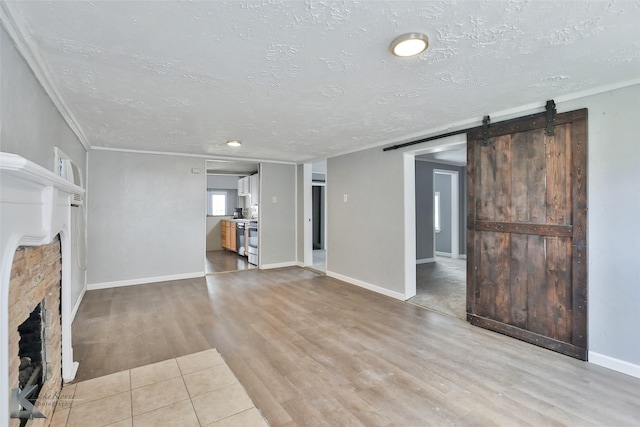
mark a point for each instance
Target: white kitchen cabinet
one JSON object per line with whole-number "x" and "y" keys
{"x": 254, "y": 186}
{"x": 244, "y": 186}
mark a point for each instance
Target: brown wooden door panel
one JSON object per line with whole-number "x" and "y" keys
{"x": 526, "y": 254}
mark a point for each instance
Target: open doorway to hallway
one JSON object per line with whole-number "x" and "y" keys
{"x": 318, "y": 202}
{"x": 440, "y": 183}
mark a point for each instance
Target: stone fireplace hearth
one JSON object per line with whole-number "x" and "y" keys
{"x": 35, "y": 217}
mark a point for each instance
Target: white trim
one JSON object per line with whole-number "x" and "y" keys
{"x": 300, "y": 264}
{"x": 443, "y": 254}
{"x": 409, "y": 196}
{"x": 614, "y": 364}
{"x": 425, "y": 260}
{"x": 144, "y": 280}
{"x": 201, "y": 156}
{"x": 455, "y": 211}
{"x": 369, "y": 286}
{"x": 76, "y": 306}
{"x": 307, "y": 214}
{"x": 279, "y": 265}
{"x": 462, "y": 256}
{"x": 39, "y": 69}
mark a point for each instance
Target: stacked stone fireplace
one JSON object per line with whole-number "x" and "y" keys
{"x": 35, "y": 271}
{"x": 35, "y": 329}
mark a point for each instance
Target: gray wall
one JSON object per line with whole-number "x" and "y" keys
{"x": 30, "y": 126}
{"x": 277, "y": 220}
{"x": 229, "y": 182}
{"x": 424, "y": 211}
{"x": 613, "y": 232}
{"x": 146, "y": 216}
{"x": 442, "y": 184}
{"x": 365, "y": 238}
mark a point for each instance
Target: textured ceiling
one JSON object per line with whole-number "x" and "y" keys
{"x": 303, "y": 80}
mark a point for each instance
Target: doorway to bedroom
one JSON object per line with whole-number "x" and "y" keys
{"x": 440, "y": 179}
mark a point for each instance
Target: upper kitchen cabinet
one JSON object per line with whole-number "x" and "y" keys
{"x": 244, "y": 186}
{"x": 254, "y": 186}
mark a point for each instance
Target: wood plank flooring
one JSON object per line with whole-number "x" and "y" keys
{"x": 225, "y": 261}
{"x": 311, "y": 350}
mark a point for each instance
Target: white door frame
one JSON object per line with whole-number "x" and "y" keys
{"x": 455, "y": 211}
{"x": 308, "y": 214}
{"x": 409, "y": 179}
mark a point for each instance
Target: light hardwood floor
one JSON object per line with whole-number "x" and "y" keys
{"x": 311, "y": 350}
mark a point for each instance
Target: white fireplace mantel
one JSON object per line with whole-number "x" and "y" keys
{"x": 35, "y": 206}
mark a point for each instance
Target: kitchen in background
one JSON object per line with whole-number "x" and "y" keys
{"x": 232, "y": 216}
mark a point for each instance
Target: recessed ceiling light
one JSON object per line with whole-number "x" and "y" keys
{"x": 411, "y": 44}
{"x": 234, "y": 143}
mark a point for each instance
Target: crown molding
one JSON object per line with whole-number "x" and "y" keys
{"x": 27, "y": 50}
{"x": 199, "y": 156}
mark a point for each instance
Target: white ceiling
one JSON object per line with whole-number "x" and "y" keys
{"x": 303, "y": 80}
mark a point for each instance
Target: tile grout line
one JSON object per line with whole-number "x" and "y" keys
{"x": 131, "y": 396}
{"x": 188, "y": 392}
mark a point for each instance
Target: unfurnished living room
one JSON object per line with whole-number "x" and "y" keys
{"x": 304, "y": 212}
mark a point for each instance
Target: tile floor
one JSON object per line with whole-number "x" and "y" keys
{"x": 190, "y": 391}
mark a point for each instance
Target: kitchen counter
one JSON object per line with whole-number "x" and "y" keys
{"x": 244, "y": 220}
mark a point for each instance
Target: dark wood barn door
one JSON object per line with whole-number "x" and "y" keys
{"x": 527, "y": 243}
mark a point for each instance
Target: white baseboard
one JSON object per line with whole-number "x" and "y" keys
{"x": 279, "y": 265}
{"x": 425, "y": 260}
{"x": 614, "y": 364}
{"x": 360, "y": 283}
{"x": 300, "y": 264}
{"x": 76, "y": 306}
{"x": 144, "y": 280}
{"x": 448, "y": 255}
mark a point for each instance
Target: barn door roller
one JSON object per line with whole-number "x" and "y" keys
{"x": 550, "y": 115}
{"x": 485, "y": 129}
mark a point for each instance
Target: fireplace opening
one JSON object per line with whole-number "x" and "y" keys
{"x": 31, "y": 351}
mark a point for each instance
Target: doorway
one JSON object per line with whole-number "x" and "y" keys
{"x": 226, "y": 193}
{"x": 318, "y": 215}
{"x": 440, "y": 231}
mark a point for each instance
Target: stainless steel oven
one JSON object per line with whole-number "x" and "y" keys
{"x": 252, "y": 242}
{"x": 241, "y": 239}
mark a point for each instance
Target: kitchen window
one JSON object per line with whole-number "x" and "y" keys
{"x": 220, "y": 202}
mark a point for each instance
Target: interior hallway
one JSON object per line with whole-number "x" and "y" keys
{"x": 442, "y": 286}
{"x": 310, "y": 349}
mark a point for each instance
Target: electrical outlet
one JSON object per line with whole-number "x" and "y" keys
{"x": 346, "y": 198}
{"x": 274, "y": 199}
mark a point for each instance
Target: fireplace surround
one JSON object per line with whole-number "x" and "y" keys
{"x": 35, "y": 208}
